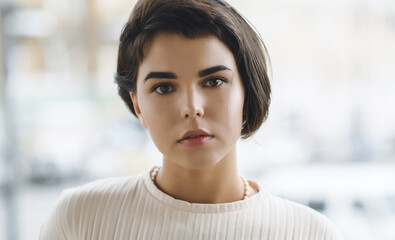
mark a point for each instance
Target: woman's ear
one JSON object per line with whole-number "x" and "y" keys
{"x": 137, "y": 109}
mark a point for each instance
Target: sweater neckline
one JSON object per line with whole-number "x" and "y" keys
{"x": 203, "y": 207}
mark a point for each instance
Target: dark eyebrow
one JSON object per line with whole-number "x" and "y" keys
{"x": 212, "y": 70}
{"x": 168, "y": 75}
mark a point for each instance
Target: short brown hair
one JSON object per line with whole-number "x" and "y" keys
{"x": 194, "y": 18}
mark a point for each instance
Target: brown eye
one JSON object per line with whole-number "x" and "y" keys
{"x": 163, "y": 89}
{"x": 214, "y": 82}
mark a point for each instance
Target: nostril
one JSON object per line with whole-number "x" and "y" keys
{"x": 192, "y": 113}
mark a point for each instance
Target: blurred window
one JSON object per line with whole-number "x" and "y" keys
{"x": 359, "y": 205}
{"x": 391, "y": 202}
{"x": 318, "y": 205}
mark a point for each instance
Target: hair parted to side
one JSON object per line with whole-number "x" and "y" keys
{"x": 195, "y": 18}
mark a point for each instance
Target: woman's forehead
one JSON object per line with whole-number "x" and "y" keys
{"x": 175, "y": 51}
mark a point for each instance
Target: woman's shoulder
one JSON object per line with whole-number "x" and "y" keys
{"x": 80, "y": 207}
{"x": 302, "y": 218}
{"x": 115, "y": 185}
{"x": 99, "y": 189}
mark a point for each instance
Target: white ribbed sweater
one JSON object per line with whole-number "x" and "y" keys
{"x": 134, "y": 208}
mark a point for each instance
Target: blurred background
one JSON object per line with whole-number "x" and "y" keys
{"x": 329, "y": 141}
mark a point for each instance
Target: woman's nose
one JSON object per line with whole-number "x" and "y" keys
{"x": 193, "y": 106}
{"x": 192, "y": 113}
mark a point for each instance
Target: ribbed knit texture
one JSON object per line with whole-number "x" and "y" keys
{"x": 134, "y": 208}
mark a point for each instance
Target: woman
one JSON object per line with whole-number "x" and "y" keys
{"x": 195, "y": 74}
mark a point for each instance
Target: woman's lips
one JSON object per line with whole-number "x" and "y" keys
{"x": 195, "y": 133}
{"x": 195, "y": 141}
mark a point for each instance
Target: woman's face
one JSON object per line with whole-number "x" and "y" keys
{"x": 187, "y": 84}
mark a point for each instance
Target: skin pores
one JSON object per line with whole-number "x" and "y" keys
{"x": 185, "y": 84}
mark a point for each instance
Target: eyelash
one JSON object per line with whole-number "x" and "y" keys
{"x": 156, "y": 87}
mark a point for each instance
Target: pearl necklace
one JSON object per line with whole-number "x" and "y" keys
{"x": 246, "y": 184}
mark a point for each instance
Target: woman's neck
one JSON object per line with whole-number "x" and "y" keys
{"x": 218, "y": 184}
